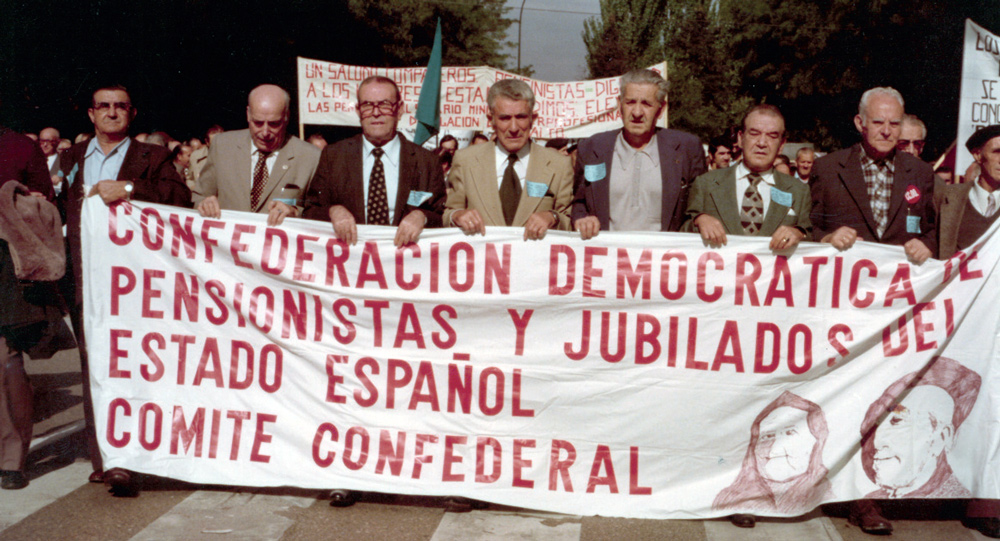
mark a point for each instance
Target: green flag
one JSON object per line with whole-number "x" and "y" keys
{"x": 429, "y": 106}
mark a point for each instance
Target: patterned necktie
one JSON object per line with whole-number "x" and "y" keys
{"x": 259, "y": 179}
{"x": 378, "y": 202}
{"x": 510, "y": 190}
{"x": 752, "y": 209}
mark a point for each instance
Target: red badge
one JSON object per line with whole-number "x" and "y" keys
{"x": 912, "y": 194}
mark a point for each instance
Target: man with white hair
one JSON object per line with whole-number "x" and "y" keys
{"x": 913, "y": 136}
{"x": 872, "y": 192}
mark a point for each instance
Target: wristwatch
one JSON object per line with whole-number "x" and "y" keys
{"x": 128, "y": 190}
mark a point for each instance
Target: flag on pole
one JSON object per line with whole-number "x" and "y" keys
{"x": 429, "y": 106}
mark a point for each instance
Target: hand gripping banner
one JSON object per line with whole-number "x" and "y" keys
{"x": 633, "y": 375}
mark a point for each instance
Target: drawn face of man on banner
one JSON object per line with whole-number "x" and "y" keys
{"x": 785, "y": 445}
{"x": 912, "y": 437}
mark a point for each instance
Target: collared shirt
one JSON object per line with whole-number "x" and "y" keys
{"x": 982, "y": 199}
{"x": 269, "y": 162}
{"x": 97, "y": 166}
{"x": 878, "y": 178}
{"x": 636, "y": 189}
{"x": 390, "y": 165}
{"x": 763, "y": 187}
{"x": 49, "y": 160}
{"x": 520, "y": 165}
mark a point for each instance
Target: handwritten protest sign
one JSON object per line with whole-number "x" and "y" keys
{"x": 980, "y": 94}
{"x": 633, "y": 375}
{"x": 327, "y": 95}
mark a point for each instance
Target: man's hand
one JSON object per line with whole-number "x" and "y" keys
{"x": 538, "y": 224}
{"x": 917, "y": 251}
{"x": 785, "y": 237}
{"x": 469, "y": 221}
{"x": 110, "y": 190}
{"x": 588, "y": 227}
{"x": 277, "y": 211}
{"x": 344, "y": 226}
{"x": 843, "y": 238}
{"x": 410, "y": 228}
{"x": 711, "y": 229}
{"x": 209, "y": 207}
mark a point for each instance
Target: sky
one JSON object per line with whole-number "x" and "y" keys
{"x": 551, "y": 39}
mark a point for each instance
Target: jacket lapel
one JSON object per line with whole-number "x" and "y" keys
{"x": 485, "y": 185}
{"x": 854, "y": 180}
{"x": 723, "y": 194}
{"x": 135, "y": 163}
{"x": 407, "y": 163}
{"x": 539, "y": 171}
{"x": 671, "y": 174}
{"x": 776, "y": 212}
{"x": 896, "y": 197}
{"x": 281, "y": 166}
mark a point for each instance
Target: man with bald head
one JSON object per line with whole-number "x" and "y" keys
{"x": 48, "y": 139}
{"x": 260, "y": 169}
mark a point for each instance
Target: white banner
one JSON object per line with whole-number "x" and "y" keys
{"x": 632, "y": 375}
{"x": 980, "y": 96}
{"x": 576, "y": 109}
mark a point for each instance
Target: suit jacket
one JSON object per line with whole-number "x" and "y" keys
{"x": 155, "y": 180}
{"x": 840, "y": 198}
{"x": 714, "y": 193}
{"x": 228, "y": 172}
{"x": 339, "y": 181}
{"x": 681, "y": 161}
{"x": 950, "y": 201}
{"x": 199, "y": 158}
{"x": 473, "y": 178}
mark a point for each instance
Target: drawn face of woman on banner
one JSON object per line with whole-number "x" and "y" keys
{"x": 785, "y": 445}
{"x": 912, "y": 436}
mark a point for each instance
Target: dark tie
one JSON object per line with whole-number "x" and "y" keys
{"x": 259, "y": 179}
{"x": 510, "y": 190}
{"x": 752, "y": 209}
{"x": 378, "y": 205}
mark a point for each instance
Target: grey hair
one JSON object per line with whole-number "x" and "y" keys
{"x": 912, "y": 119}
{"x": 879, "y": 91}
{"x": 646, "y": 77}
{"x": 512, "y": 89}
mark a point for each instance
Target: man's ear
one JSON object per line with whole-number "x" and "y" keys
{"x": 859, "y": 123}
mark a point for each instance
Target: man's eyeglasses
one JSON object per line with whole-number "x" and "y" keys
{"x": 904, "y": 144}
{"x": 384, "y": 107}
{"x": 122, "y": 106}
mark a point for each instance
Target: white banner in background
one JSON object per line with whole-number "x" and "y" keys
{"x": 632, "y": 375}
{"x": 979, "y": 104}
{"x": 576, "y": 109}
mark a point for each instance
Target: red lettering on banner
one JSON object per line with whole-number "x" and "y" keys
{"x": 209, "y": 353}
{"x": 356, "y": 433}
{"x": 964, "y": 274}
{"x": 888, "y": 349}
{"x": 497, "y": 269}
{"x": 266, "y": 308}
{"x": 690, "y": 362}
{"x": 113, "y": 407}
{"x": 182, "y": 433}
{"x": 301, "y": 257}
{"x": 260, "y": 438}
{"x": 419, "y": 458}
{"x": 633, "y": 475}
{"x": 152, "y": 235}
{"x": 408, "y": 320}
{"x": 213, "y": 442}
{"x": 345, "y": 334}
{"x": 401, "y": 281}
{"x": 806, "y": 332}
{"x": 450, "y": 459}
{"x": 425, "y": 378}
{"x": 520, "y": 324}
{"x": 335, "y": 261}
{"x": 634, "y": 277}
{"x": 602, "y": 459}
{"x": 447, "y": 339}
{"x": 117, "y": 353}
{"x": 118, "y": 288}
{"x": 782, "y": 277}
{"x": 459, "y": 388}
{"x": 270, "y": 235}
{"x": 765, "y": 329}
{"x": 119, "y": 239}
{"x": 470, "y": 276}
{"x": 150, "y": 439}
{"x": 921, "y": 328}
{"x": 332, "y": 379}
{"x": 584, "y": 341}
{"x": 389, "y": 454}
{"x": 158, "y": 369}
{"x": 665, "y": 290}
{"x": 376, "y": 308}
{"x": 366, "y": 382}
{"x": 606, "y": 353}
{"x": 182, "y": 234}
{"x": 833, "y": 337}
{"x": 185, "y": 297}
{"x": 370, "y": 258}
{"x": 217, "y": 292}
{"x": 558, "y": 467}
{"x": 236, "y": 247}
{"x": 703, "y": 261}
{"x": 294, "y": 314}
{"x": 207, "y": 241}
{"x": 556, "y": 253}
{"x": 747, "y": 281}
{"x": 238, "y": 417}
{"x": 815, "y": 263}
{"x": 730, "y": 339}
{"x": 520, "y": 463}
{"x": 149, "y": 293}
{"x": 497, "y": 391}
{"x": 644, "y": 337}
{"x": 900, "y": 287}
{"x": 590, "y": 273}
{"x": 482, "y": 442}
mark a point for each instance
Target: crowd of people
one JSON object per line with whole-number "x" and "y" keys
{"x": 636, "y": 178}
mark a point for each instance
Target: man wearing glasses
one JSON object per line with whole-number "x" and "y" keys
{"x": 113, "y": 167}
{"x": 48, "y": 139}
{"x": 912, "y": 136}
{"x": 378, "y": 177}
{"x": 260, "y": 169}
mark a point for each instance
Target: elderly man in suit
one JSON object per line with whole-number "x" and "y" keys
{"x": 872, "y": 192}
{"x": 636, "y": 178}
{"x": 114, "y": 167}
{"x": 967, "y": 210}
{"x": 751, "y": 198}
{"x": 260, "y": 169}
{"x": 378, "y": 177}
{"x": 513, "y": 182}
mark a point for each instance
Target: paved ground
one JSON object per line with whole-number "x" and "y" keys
{"x": 59, "y": 504}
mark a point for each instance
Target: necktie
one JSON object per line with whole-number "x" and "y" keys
{"x": 510, "y": 190}
{"x": 752, "y": 209}
{"x": 378, "y": 205}
{"x": 259, "y": 179}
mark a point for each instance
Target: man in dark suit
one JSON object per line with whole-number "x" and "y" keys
{"x": 513, "y": 182}
{"x": 751, "y": 198}
{"x": 113, "y": 167}
{"x": 871, "y": 192}
{"x": 260, "y": 169}
{"x": 378, "y": 177}
{"x": 636, "y": 178}
{"x": 968, "y": 209}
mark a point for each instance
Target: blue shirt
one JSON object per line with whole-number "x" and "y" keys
{"x": 98, "y": 167}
